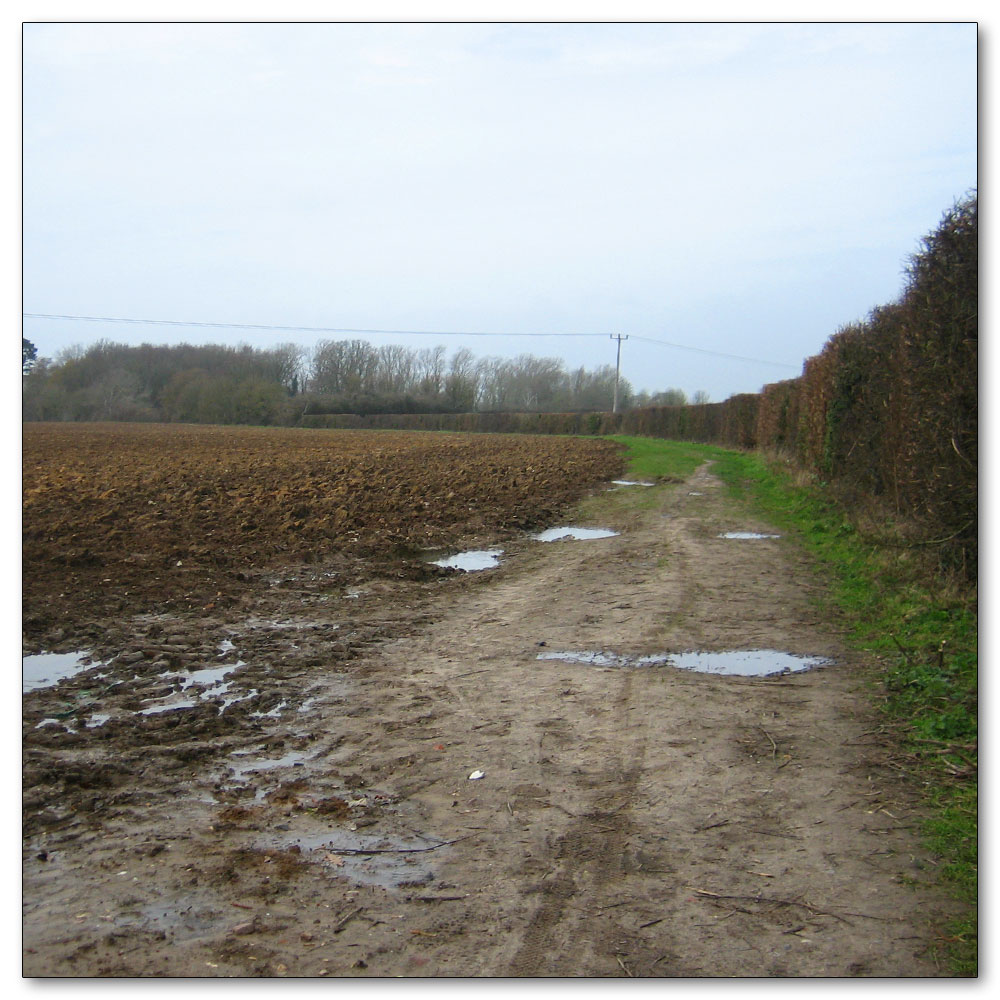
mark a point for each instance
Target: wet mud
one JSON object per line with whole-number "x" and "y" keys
{"x": 279, "y": 785}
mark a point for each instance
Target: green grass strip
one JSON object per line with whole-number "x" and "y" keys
{"x": 652, "y": 458}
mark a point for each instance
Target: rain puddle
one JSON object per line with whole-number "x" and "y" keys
{"x": 391, "y": 863}
{"x": 167, "y": 706}
{"x": 242, "y": 771}
{"x": 56, "y": 722}
{"x": 253, "y": 764}
{"x": 574, "y": 533}
{"x": 210, "y": 678}
{"x": 235, "y": 698}
{"x": 471, "y": 561}
{"x": 731, "y": 663}
{"x": 48, "y": 669}
{"x": 746, "y": 662}
{"x": 746, "y": 535}
{"x": 591, "y": 658}
{"x": 271, "y": 714}
{"x": 631, "y": 482}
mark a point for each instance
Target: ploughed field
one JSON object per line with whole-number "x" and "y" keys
{"x": 131, "y": 518}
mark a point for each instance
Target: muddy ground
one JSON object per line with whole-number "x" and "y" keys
{"x": 629, "y": 820}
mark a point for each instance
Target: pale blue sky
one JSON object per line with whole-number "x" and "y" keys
{"x": 745, "y": 189}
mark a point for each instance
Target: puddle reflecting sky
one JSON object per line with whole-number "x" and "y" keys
{"x": 473, "y": 560}
{"x": 251, "y": 764}
{"x": 56, "y": 722}
{"x": 732, "y": 663}
{"x": 211, "y": 678}
{"x": 746, "y": 535}
{"x": 575, "y": 533}
{"x": 48, "y": 669}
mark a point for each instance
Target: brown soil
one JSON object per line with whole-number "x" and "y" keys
{"x": 121, "y": 518}
{"x": 630, "y": 821}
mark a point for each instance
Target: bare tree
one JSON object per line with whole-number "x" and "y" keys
{"x": 462, "y": 380}
{"x": 395, "y": 370}
{"x": 431, "y": 366}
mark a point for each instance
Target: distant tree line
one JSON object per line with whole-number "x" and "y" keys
{"x": 279, "y": 385}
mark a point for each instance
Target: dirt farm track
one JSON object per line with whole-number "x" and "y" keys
{"x": 290, "y": 745}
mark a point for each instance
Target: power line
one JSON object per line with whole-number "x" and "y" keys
{"x": 414, "y": 333}
{"x": 301, "y": 329}
{"x": 715, "y": 354}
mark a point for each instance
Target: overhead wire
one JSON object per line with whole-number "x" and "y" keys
{"x": 368, "y": 331}
{"x": 303, "y": 329}
{"x": 715, "y": 354}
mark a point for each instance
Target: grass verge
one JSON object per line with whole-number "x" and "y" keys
{"x": 923, "y": 634}
{"x": 652, "y": 458}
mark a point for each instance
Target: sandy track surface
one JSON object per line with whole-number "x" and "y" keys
{"x": 630, "y": 820}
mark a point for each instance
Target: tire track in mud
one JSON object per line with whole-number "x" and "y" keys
{"x": 557, "y": 938}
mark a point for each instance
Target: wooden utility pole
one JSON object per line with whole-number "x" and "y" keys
{"x": 618, "y": 367}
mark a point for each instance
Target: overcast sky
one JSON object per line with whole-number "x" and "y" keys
{"x": 743, "y": 189}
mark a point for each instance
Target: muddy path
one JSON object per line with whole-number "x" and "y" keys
{"x": 631, "y": 819}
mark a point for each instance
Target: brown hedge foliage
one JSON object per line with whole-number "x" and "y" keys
{"x": 890, "y": 407}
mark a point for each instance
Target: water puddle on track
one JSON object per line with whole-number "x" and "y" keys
{"x": 746, "y": 535}
{"x": 48, "y": 669}
{"x": 254, "y": 764}
{"x": 211, "y": 678}
{"x": 67, "y": 726}
{"x": 573, "y": 533}
{"x": 386, "y": 862}
{"x": 730, "y": 663}
{"x": 631, "y": 482}
{"x": 247, "y": 768}
{"x": 472, "y": 561}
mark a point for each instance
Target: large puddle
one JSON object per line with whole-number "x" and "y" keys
{"x": 732, "y": 663}
{"x": 48, "y": 669}
{"x": 574, "y": 533}
{"x": 472, "y": 561}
